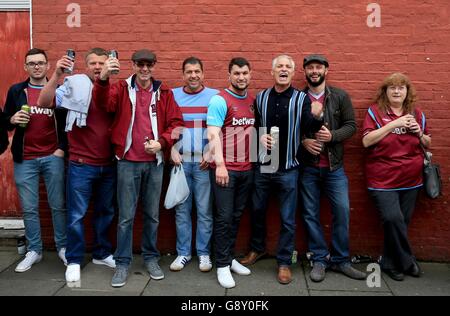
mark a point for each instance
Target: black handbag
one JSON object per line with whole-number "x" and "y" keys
{"x": 432, "y": 182}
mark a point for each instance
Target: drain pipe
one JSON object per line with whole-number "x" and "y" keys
{"x": 31, "y": 23}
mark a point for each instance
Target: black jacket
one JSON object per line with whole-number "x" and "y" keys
{"x": 15, "y": 99}
{"x": 4, "y": 142}
{"x": 340, "y": 120}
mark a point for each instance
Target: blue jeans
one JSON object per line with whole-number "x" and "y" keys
{"x": 134, "y": 178}
{"x": 200, "y": 187}
{"x": 82, "y": 180}
{"x": 335, "y": 186}
{"x": 285, "y": 184}
{"x": 26, "y": 175}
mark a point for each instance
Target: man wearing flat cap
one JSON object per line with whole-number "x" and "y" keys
{"x": 147, "y": 122}
{"x": 323, "y": 171}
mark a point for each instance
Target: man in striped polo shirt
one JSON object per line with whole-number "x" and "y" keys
{"x": 193, "y": 99}
{"x": 291, "y": 111}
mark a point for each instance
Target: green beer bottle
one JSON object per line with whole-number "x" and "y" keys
{"x": 27, "y": 109}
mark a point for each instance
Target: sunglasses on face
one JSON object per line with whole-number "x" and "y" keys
{"x": 144, "y": 64}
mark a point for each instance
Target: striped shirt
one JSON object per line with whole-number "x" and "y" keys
{"x": 194, "y": 107}
{"x": 298, "y": 121}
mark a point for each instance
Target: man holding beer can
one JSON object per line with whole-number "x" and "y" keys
{"x": 91, "y": 161}
{"x": 38, "y": 150}
{"x": 287, "y": 113}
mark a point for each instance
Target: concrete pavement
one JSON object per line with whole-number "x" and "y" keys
{"x": 47, "y": 278}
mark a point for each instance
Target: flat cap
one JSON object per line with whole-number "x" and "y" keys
{"x": 317, "y": 58}
{"x": 144, "y": 55}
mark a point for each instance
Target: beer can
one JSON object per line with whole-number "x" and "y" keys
{"x": 275, "y": 134}
{"x": 27, "y": 109}
{"x": 114, "y": 54}
{"x": 21, "y": 245}
{"x": 71, "y": 54}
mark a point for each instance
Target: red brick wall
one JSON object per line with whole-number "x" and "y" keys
{"x": 414, "y": 38}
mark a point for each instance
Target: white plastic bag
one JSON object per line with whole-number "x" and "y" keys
{"x": 178, "y": 191}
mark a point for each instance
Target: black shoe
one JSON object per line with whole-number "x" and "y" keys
{"x": 414, "y": 270}
{"x": 394, "y": 274}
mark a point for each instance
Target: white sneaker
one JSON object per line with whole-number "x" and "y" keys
{"x": 238, "y": 268}
{"x": 205, "y": 264}
{"x": 225, "y": 278}
{"x": 31, "y": 258}
{"x": 73, "y": 273}
{"x": 179, "y": 263}
{"x": 108, "y": 261}
{"x": 62, "y": 255}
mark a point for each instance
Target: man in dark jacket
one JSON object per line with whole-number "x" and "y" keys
{"x": 323, "y": 171}
{"x": 145, "y": 127}
{"x": 38, "y": 149}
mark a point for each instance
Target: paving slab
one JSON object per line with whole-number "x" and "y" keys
{"x": 188, "y": 282}
{"x": 23, "y": 287}
{"x": 263, "y": 281}
{"x": 435, "y": 281}
{"x": 50, "y": 268}
{"x": 335, "y": 281}
{"x": 96, "y": 280}
{"x": 8, "y": 258}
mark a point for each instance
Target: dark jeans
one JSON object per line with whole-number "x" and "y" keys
{"x": 82, "y": 180}
{"x": 285, "y": 184}
{"x": 335, "y": 186}
{"x": 396, "y": 209}
{"x": 230, "y": 203}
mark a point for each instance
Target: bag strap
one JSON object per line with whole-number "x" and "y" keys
{"x": 425, "y": 153}
{"x": 427, "y": 158}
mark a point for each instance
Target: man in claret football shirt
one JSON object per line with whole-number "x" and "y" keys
{"x": 38, "y": 149}
{"x": 91, "y": 167}
{"x": 230, "y": 123}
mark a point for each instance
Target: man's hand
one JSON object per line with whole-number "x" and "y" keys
{"x": 312, "y": 146}
{"x": 316, "y": 109}
{"x": 111, "y": 65}
{"x": 64, "y": 63}
{"x": 59, "y": 153}
{"x": 21, "y": 117}
{"x": 324, "y": 135}
{"x": 267, "y": 141}
{"x": 152, "y": 147}
{"x": 175, "y": 157}
{"x": 204, "y": 165}
{"x": 222, "y": 177}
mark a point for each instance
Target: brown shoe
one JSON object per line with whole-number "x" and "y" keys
{"x": 251, "y": 258}
{"x": 284, "y": 275}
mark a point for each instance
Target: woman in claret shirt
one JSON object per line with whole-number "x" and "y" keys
{"x": 392, "y": 133}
